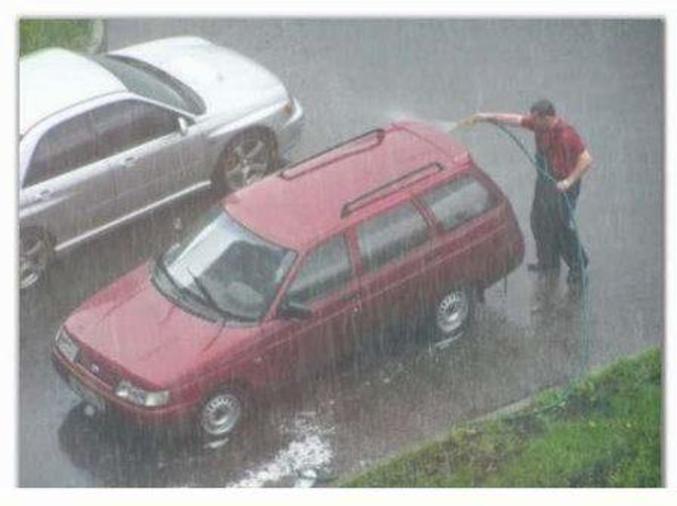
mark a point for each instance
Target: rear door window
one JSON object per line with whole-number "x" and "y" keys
{"x": 458, "y": 201}
{"x": 390, "y": 236}
{"x": 127, "y": 124}
{"x": 65, "y": 147}
{"x": 324, "y": 271}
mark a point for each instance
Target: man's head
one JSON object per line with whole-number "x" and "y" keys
{"x": 543, "y": 114}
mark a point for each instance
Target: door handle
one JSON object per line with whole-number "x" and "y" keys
{"x": 130, "y": 161}
{"x": 431, "y": 257}
{"x": 349, "y": 297}
{"x": 44, "y": 194}
{"x": 258, "y": 360}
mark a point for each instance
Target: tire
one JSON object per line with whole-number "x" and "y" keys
{"x": 247, "y": 159}
{"x": 222, "y": 413}
{"x": 452, "y": 317}
{"x": 35, "y": 254}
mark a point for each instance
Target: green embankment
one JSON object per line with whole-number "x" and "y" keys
{"x": 606, "y": 434}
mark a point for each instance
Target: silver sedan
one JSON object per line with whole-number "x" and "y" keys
{"x": 108, "y": 138}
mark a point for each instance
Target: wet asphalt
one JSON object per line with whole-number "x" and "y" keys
{"x": 605, "y": 76}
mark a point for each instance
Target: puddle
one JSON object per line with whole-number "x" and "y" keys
{"x": 299, "y": 463}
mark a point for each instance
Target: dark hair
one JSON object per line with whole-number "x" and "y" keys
{"x": 543, "y": 108}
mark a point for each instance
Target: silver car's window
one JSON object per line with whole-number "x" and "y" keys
{"x": 63, "y": 148}
{"x": 325, "y": 270}
{"x": 124, "y": 125}
{"x": 390, "y": 236}
{"x": 240, "y": 271}
{"x": 458, "y": 201}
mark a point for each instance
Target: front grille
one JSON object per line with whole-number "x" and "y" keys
{"x": 96, "y": 368}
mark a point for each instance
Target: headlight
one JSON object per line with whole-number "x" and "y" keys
{"x": 66, "y": 345}
{"x": 136, "y": 395}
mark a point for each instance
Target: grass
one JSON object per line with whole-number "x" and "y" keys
{"x": 35, "y": 34}
{"x": 605, "y": 434}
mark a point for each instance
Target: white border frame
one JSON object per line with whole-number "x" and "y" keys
{"x": 13, "y": 10}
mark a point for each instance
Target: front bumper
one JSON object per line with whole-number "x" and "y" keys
{"x": 289, "y": 133}
{"x": 171, "y": 414}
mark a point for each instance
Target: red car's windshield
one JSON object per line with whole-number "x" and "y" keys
{"x": 228, "y": 268}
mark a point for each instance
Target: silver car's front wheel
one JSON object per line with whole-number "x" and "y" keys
{"x": 246, "y": 161}
{"x": 221, "y": 413}
{"x": 34, "y": 253}
{"x": 452, "y": 316}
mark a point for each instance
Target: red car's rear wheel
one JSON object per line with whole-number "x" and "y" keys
{"x": 453, "y": 315}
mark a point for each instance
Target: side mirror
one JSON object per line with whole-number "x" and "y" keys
{"x": 290, "y": 309}
{"x": 183, "y": 125}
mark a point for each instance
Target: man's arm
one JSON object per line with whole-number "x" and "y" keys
{"x": 498, "y": 117}
{"x": 582, "y": 165}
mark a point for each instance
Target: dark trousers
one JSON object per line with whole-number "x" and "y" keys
{"x": 553, "y": 227}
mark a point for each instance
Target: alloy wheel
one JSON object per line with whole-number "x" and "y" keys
{"x": 34, "y": 254}
{"x": 247, "y": 162}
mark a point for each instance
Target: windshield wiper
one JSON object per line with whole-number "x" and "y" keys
{"x": 209, "y": 299}
{"x": 160, "y": 263}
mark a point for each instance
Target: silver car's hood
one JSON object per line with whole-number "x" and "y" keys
{"x": 227, "y": 81}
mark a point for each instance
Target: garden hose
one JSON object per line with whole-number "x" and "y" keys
{"x": 585, "y": 321}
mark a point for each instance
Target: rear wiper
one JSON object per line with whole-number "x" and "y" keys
{"x": 207, "y": 297}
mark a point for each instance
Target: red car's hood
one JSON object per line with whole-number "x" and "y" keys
{"x": 146, "y": 337}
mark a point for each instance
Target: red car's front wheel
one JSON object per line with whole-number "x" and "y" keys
{"x": 222, "y": 412}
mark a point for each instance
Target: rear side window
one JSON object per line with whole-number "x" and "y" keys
{"x": 390, "y": 236}
{"x": 325, "y": 270}
{"x": 63, "y": 148}
{"x": 458, "y": 201}
{"x": 124, "y": 125}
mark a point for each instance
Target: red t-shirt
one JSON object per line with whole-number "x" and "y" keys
{"x": 560, "y": 144}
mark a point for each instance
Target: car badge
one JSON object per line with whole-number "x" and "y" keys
{"x": 94, "y": 368}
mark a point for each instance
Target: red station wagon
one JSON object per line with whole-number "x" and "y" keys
{"x": 292, "y": 274}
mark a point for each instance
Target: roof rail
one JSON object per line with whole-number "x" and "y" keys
{"x": 285, "y": 173}
{"x": 379, "y": 193}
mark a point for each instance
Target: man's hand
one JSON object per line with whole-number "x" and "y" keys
{"x": 470, "y": 121}
{"x": 563, "y": 185}
{"x": 582, "y": 165}
{"x": 498, "y": 117}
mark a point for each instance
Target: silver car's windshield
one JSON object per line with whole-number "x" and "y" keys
{"x": 226, "y": 267}
{"x": 151, "y": 82}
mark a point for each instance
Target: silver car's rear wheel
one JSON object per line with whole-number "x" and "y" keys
{"x": 221, "y": 413}
{"x": 246, "y": 161}
{"x": 34, "y": 254}
{"x": 452, "y": 316}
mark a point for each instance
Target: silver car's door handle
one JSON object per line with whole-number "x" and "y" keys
{"x": 130, "y": 161}
{"x": 44, "y": 194}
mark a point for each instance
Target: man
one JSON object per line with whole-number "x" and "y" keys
{"x": 561, "y": 153}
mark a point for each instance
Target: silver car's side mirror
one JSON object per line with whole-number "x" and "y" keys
{"x": 183, "y": 126}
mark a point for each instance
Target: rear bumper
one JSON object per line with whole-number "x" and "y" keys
{"x": 290, "y": 132}
{"x": 172, "y": 414}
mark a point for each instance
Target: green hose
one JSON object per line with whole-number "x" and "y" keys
{"x": 585, "y": 322}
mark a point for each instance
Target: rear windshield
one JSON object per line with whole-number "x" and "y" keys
{"x": 459, "y": 201}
